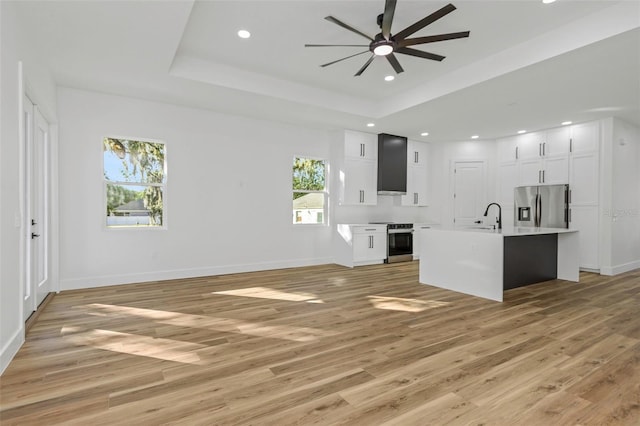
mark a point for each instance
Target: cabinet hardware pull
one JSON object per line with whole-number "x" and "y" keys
{"x": 539, "y": 150}
{"x": 543, "y": 176}
{"x": 415, "y": 155}
{"x": 570, "y": 144}
{"x": 415, "y": 198}
{"x": 516, "y": 152}
{"x": 544, "y": 149}
{"x": 569, "y": 196}
{"x": 539, "y": 176}
{"x": 569, "y": 215}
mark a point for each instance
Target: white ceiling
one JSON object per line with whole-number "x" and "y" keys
{"x": 525, "y": 65}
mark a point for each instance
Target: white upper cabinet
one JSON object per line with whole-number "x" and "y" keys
{"x": 417, "y": 153}
{"x": 556, "y": 142}
{"x": 585, "y": 137}
{"x": 359, "y": 182}
{"x": 360, "y": 145}
{"x": 507, "y": 181}
{"x": 529, "y": 146}
{"x": 508, "y": 149}
{"x": 358, "y": 175}
{"x": 417, "y": 174}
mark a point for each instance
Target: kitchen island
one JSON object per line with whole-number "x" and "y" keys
{"x": 485, "y": 263}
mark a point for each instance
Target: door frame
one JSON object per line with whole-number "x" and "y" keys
{"x": 452, "y": 184}
{"x": 23, "y": 218}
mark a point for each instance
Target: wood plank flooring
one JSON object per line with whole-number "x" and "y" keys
{"x": 331, "y": 345}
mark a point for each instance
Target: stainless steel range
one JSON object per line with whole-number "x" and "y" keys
{"x": 399, "y": 242}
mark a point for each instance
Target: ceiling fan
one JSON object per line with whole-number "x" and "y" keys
{"x": 386, "y": 44}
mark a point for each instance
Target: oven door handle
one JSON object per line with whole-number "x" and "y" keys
{"x": 400, "y": 231}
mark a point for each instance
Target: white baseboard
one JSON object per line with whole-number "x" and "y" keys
{"x": 107, "y": 280}
{"x": 11, "y": 348}
{"x": 619, "y": 269}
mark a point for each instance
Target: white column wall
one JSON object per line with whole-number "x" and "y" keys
{"x": 620, "y": 195}
{"x": 15, "y": 46}
{"x": 228, "y": 201}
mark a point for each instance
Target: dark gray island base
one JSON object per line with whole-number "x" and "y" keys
{"x": 529, "y": 259}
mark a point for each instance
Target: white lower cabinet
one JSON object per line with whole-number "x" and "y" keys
{"x": 585, "y": 220}
{"x": 357, "y": 245}
{"x": 417, "y": 238}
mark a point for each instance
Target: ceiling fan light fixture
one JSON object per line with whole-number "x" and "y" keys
{"x": 383, "y": 49}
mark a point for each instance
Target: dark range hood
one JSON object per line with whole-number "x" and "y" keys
{"x": 392, "y": 164}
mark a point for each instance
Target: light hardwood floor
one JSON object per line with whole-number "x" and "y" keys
{"x": 331, "y": 345}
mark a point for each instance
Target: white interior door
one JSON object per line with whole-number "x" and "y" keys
{"x": 36, "y": 134}
{"x": 468, "y": 187}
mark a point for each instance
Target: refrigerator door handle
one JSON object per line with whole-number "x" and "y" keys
{"x": 538, "y": 213}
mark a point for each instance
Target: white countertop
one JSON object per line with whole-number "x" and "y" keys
{"x": 512, "y": 231}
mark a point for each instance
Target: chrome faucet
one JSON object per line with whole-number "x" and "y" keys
{"x": 486, "y": 212}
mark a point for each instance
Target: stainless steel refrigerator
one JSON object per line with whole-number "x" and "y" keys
{"x": 545, "y": 206}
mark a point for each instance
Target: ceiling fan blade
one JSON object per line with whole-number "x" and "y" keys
{"x": 432, "y": 39}
{"x": 394, "y": 63}
{"x": 387, "y": 18}
{"x": 347, "y": 57}
{"x": 336, "y": 45}
{"x": 348, "y": 27}
{"x": 364, "y": 67}
{"x": 424, "y": 22}
{"x": 419, "y": 53}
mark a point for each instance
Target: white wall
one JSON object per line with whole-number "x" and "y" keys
{"x": 442, "y": 156}
{"x": 620, "y": 195}
{"x": 228, "y": 201}
{"x": 15, "y": 46}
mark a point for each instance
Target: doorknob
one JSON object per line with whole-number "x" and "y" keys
{"x": 34, "y": 235}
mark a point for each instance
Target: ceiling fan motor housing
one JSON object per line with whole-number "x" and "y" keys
{"x": 379, "y": 42}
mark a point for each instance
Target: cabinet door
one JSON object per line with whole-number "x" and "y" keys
{"x": 417, "y": 235}
{"x": 417, "y": 153}
{"x": 507, "y": 181}
{"x": 556, "y": 142}
{"x": 585, "y": 137}
{"x": 585, "y": 220}
{"x": 584, "y": 176}
{"x": 369, "y": 246}
{"x": 416, "y": 187}
{"x": 530, "y": 172}
{"x": 530, "y": 146}
{"x": 556, "y": 170}
{"x": 360, "y": 183}
{"x": 508, "y": 149}
{"x": 360, "y": 145}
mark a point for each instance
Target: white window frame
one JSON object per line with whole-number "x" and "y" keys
{"x": 325, "y": 192}
{"x": 163, "y": 185}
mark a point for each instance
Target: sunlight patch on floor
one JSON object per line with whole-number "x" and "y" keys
{"x": 406, "y": 305}
{"x": 227, "y": 325}
{"x": 134, "y": 344}
{"x": 269, "y": 293}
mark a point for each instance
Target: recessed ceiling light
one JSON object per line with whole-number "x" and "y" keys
{"x": 370, "y": 124}
{"x": 244, "y": 34}
{"x": 475, "y": 137}
{"x": 565, "y": 123}
{"x": 424, "y": 134}
{"x": 548, "y": 1}
{"x": 389, "y": 78}
{"x": 521, "y": 132}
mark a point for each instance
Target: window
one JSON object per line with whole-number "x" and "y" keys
{"x": 135, "y": 182}
{"x": 309, "y": 191}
